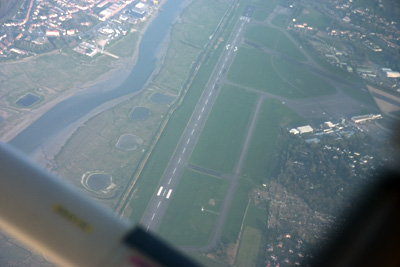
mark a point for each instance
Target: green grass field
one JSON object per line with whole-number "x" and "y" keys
{"x": 306, "y": 82}
{"x": 260, "y": 155}
{"x": 126, "y": 46}
{"x": 267, "y": 4}
{"x": 222, "y": 136}
{"x": 343, "y": 74}
{"x": 362, "y": 96}
{"x": 260, "y": 14}
{"x": 185, "y": 223}
{"x": 274, "y": 39}
{"x": 250, "y": 245}
{"x": 254, "y": 69}
{"x": 255, "y": 225}
{"x": 265, "y": 36}
{"x": 258, "y": 70}
{"x": 280, "y": 20}
{"x": 236, "y": 212}
{"x": 315, "y": 19}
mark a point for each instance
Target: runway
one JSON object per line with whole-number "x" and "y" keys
{"x": 180, "y": 159}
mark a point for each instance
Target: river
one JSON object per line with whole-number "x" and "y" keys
{"x": 72, "y": 109}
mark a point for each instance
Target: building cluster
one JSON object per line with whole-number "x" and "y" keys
{"x": 67, "y": 19}
{"x": 339, "y": 129}
{"x": 357, "y": 28}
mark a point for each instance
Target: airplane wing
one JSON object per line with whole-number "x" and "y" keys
{"x": 68, "y": 227}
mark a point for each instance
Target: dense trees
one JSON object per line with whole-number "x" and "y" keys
{"x": 327, "y": 175}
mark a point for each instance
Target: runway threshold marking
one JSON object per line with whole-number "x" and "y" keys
{"x": 169, "y": 194}
{"x": 160, "y": 190}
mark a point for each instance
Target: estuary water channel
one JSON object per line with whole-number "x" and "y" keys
{"x": 65, "y": 113}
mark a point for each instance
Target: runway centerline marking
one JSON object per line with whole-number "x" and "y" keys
{"x": 210, "y": 93}
{"x": 206, "y": 101}
{"x": 169, "y": 181}
{"x": 198, "y": 118}
{"x": 188, "y": 141}
{"x": 158, "y": 205}
{"x": 202, "y": 110}
{"x": 184, "y": 149}
{"x": 192, "y": 132}
{"x": 174, "y": 171}
{"x": 152, "y": 217}
{"x": 179, "y": 160}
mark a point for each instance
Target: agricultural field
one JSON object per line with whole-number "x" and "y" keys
{"x": 193, "y": 210}
{"x": 221, "y": 139}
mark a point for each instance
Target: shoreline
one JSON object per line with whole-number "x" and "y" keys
{"x": 119, "y": 71}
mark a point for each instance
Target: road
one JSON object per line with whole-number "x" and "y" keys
{"x": 180, "y": 159}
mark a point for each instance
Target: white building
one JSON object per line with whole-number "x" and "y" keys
{"x": 363, "y": 118}
{"x": 305, "y": 129}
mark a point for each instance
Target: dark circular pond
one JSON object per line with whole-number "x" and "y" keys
{"x": 98, "y": 181}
